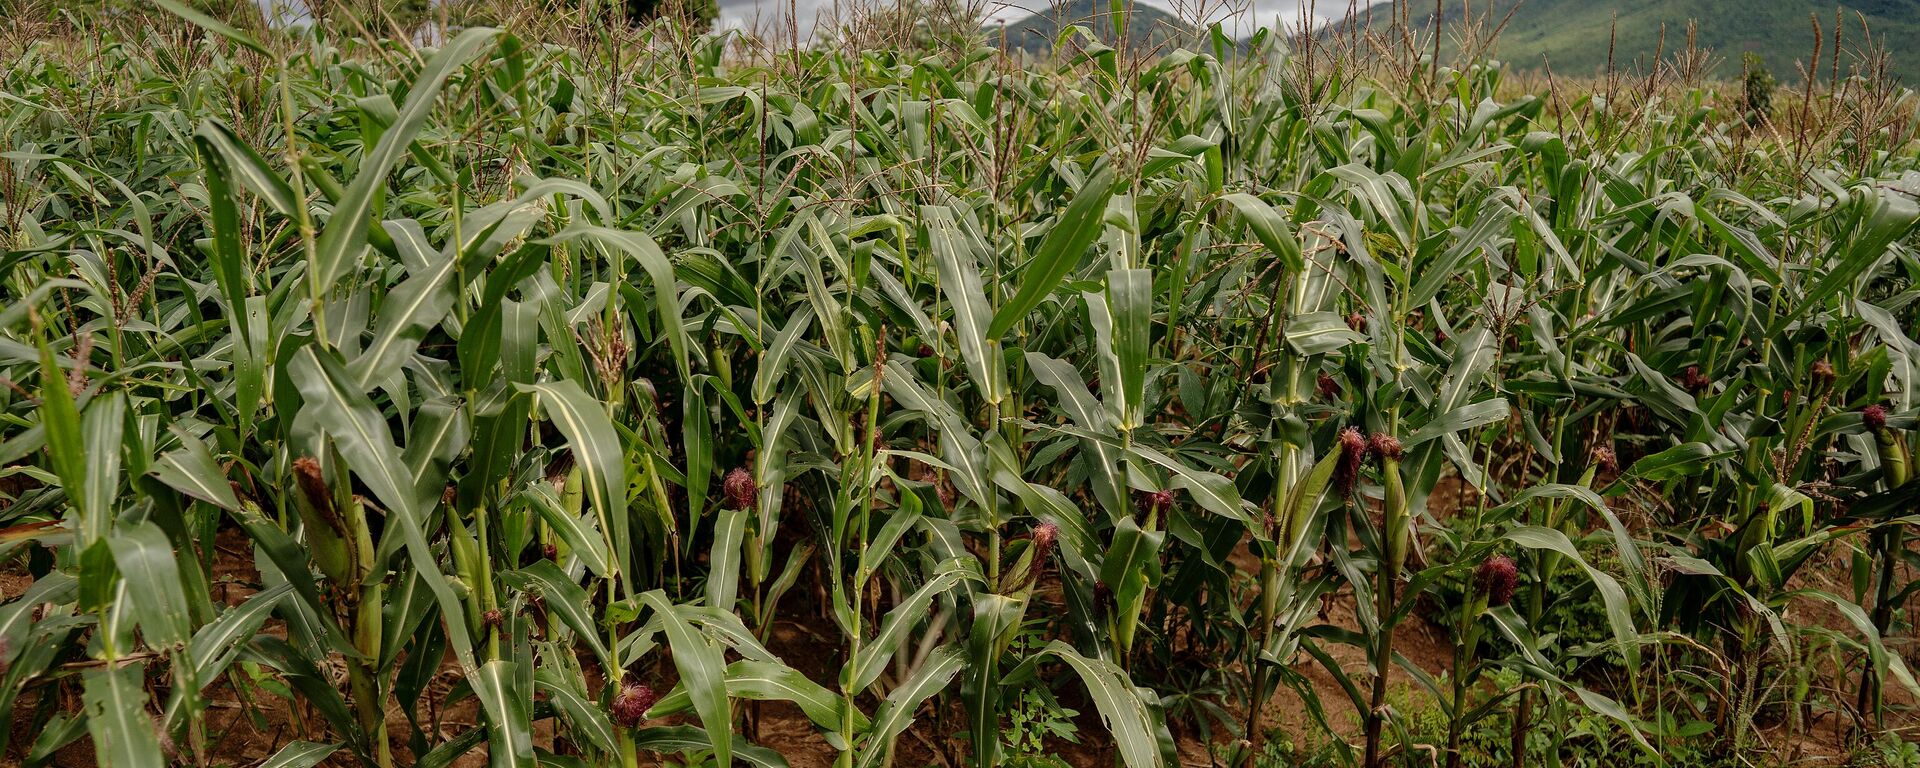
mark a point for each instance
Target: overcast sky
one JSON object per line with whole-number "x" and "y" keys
{"x": 1238, "y": 17}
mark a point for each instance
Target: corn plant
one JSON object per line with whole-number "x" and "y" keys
{"x": 633, "y": 390}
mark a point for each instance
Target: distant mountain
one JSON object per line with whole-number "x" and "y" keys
{"x": 1574, "y": 35}
{"x": 1148, "y": 28}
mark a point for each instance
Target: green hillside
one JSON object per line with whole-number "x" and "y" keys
{"x": 1573, "y": 35}
{"x": 1147, "y": 27}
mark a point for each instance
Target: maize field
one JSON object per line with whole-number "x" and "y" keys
{"x": 539, "y": 395}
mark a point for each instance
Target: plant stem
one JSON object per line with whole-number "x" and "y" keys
{"x": 1382, "y": 661}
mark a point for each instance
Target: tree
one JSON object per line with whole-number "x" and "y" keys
{"x": 700, "y": 14}
{"x": 1756, "y": 97}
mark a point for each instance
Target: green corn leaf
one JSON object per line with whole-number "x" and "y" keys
{"x": 346, "y": 232}
{"x": 1064, "y": 245}
{"x": 1660, "y": 395}
{"x": 66, "y": 443}
{"x": 1680, "y": 460}
{"x": 409, "y": 311}
{"x": 1130, "y": 294}
{"x": 1514, "y": 628}
{"x": 896, "y": 713}
{"x": 696, "y": 440}
{"x": 766, "y": 681}
{"x": 773, "y": 365}
{"x": 565, "y": 598}
{"x": 356, "y": 424}
{"x": 1132, "y": 564}
{"x": 879, "y": 652}
{"x": 17, "y": 617}
{"x": 597, "y": 452}
{"x": 1106, "y": 354}
{"x": 1212, "y": 492}
{"x": 364, "y": 441}
{"x": 117, "y": 719}
{"x": 291, "y": 560}
{"x": 727, "y": 628}
{"x": 239, "y": 161}
{"x": 643, "y": 249}
{"x": 1465, "y": 417}
{"x": 192, "y": 470}
{"x": 101, "y": 429}
{"x": 1473, "y": 355}
{"x": 314, "y": 686}
{"x": 509, "y": 721}
{"x": 408, "y": 604}
{"x": 960, "y": 283}
{"x": 883, "y": 545}
{"x": 702, "y": 672}
{"x": 436, "y": 437}
{"x": 1320, "y": 333}
{"x": 1109, "y": 486}
{"x": 1269, "y": 227}
{"x": 995, "y": 618}
{"x": 1619, "y": 616}
{"x": 229, "y": 260}
{"x": 1303, "y": 504}
{"x": 687, "y": 738}
{"x": 451, "y": 750}
{"x": 583, "y": 540}
{"x": 1078, "y": 547}
{"x": 1888, "y": 216}
{"x": 723, "y": 579}
{"x": 146, "y": 560}
{"x": 1887, "y": 663}
{"x": 213, "y": 25}
{"x": 805, "y": 245}
{"x": 1126, "y": 715}
{"x": 301, "y": 754}
{"x": 770, "y": 473}
{"x": 217, "y": 643}
{"x": 583, "y": 717}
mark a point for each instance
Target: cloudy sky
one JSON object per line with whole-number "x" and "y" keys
{"x": 1238, "y": 17}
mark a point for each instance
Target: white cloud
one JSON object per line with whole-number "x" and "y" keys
{"x": 1238, "y": 17}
